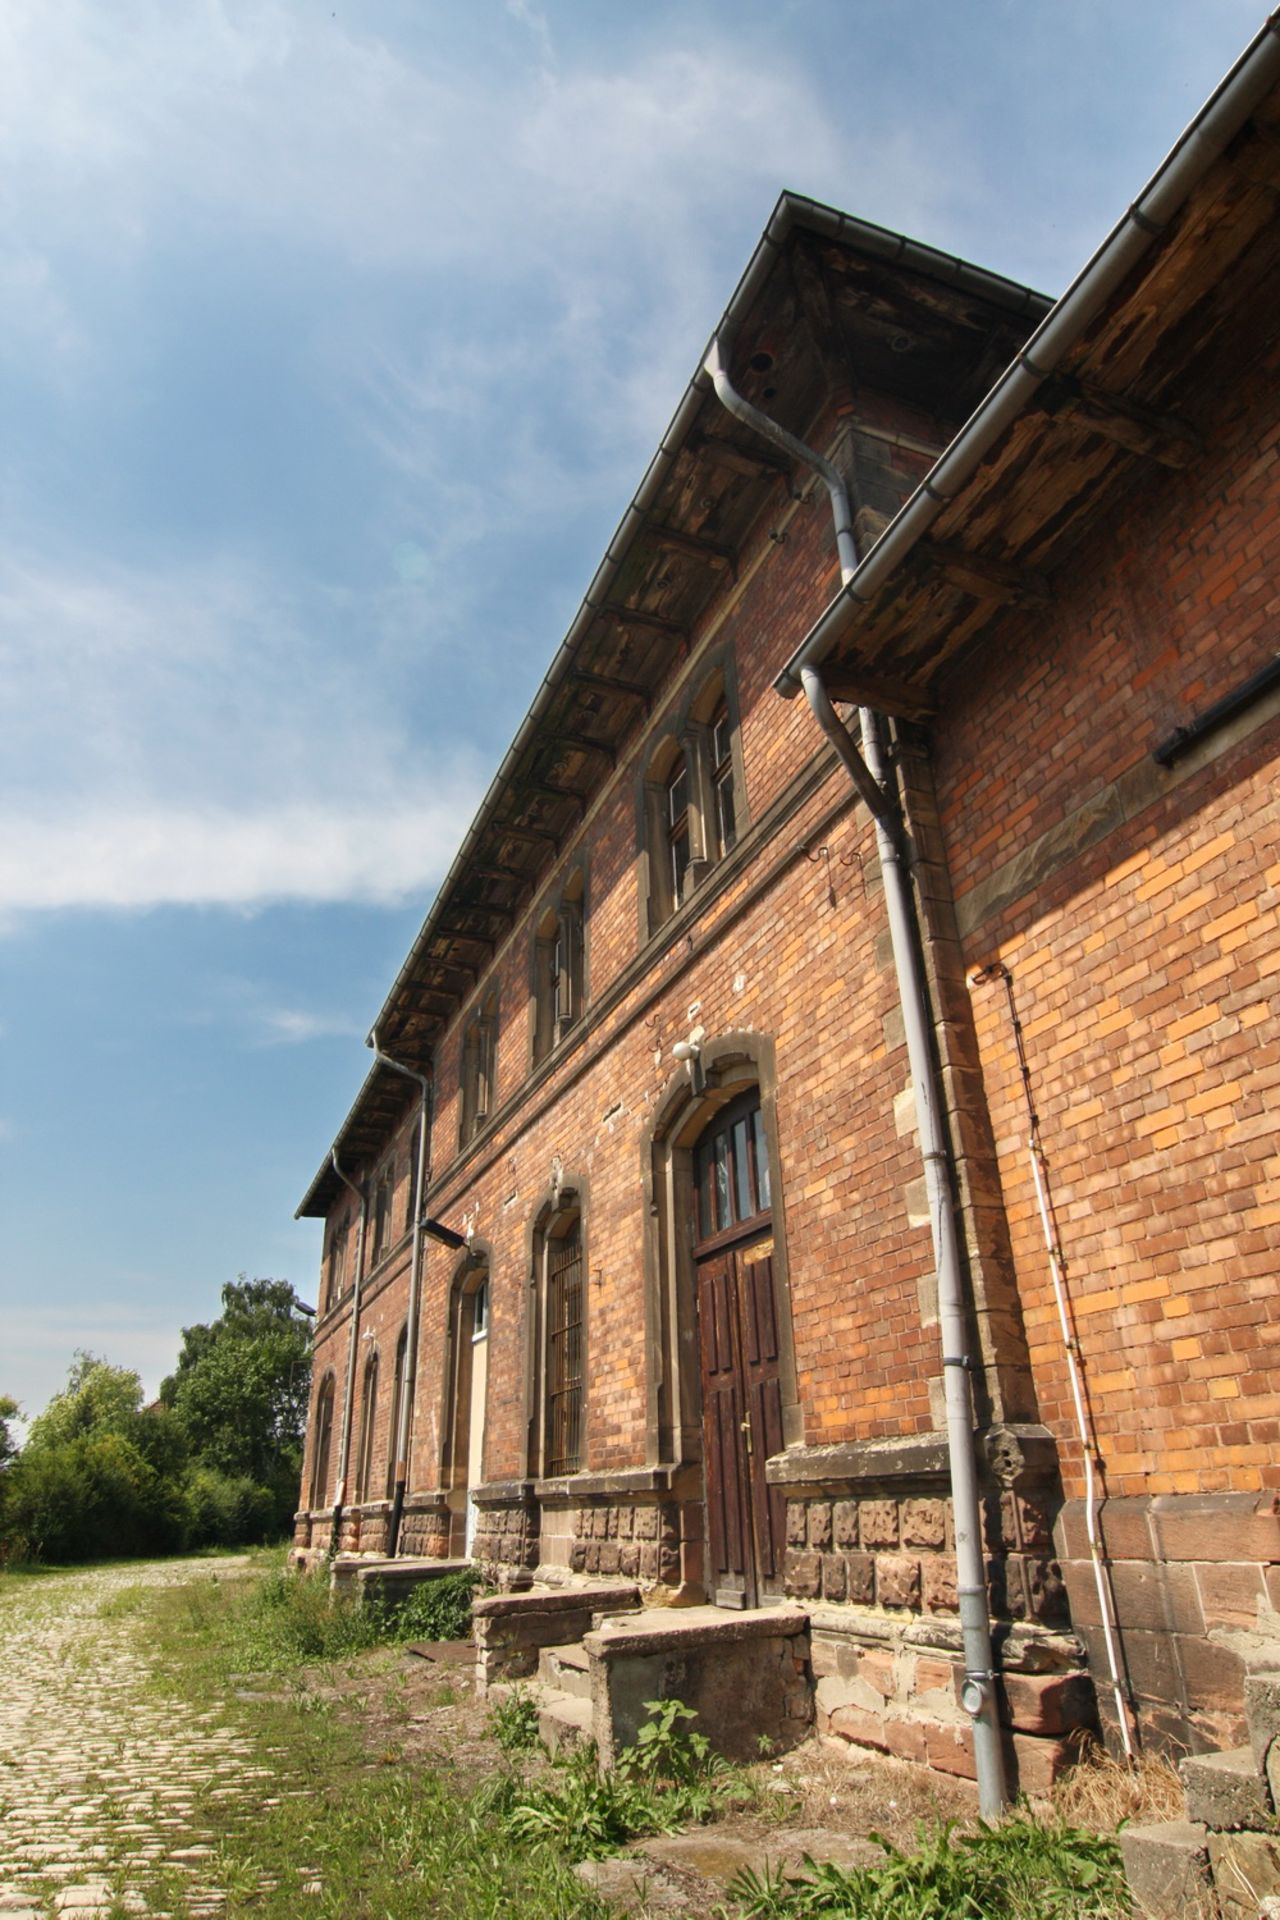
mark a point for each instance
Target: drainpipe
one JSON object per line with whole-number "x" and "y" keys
{"x": 410, "y": 1373}
{"x": 867, "y": 770}
{"x": 344, "y": 1441}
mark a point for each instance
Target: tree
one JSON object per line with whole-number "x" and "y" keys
{"x": 98, "y": 1398}
{"x": 240, "y": 1389}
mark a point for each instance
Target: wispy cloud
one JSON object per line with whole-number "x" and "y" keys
{"x": 196, "y": 735}
{"x": 294, "y": 1026}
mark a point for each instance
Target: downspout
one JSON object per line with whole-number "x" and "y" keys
{"x": 410, "y": 1372}
{"x": 344, "y": 1440}
{"x": 867, "y": 770}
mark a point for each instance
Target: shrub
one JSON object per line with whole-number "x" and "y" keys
{"x": 226, "y": 1510}
{"x": 437, "y": 1609}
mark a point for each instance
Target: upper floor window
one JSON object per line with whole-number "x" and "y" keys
{"x": 479, "y": 1068}
{"x": 693, "y": 802}
{"x": 382, "y": 1210}
{"x": 559, "y": 954}
{"x": 678, "y": 828}
{"x": 722, "y": 781}
{"x": 336, "y": 1264}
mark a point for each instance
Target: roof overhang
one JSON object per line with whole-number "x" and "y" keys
{"x": 820, "y": 283}
{"x": 1108, "y": 378}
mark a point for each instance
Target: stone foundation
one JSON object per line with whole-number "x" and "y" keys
{"x": 508, "y": 1532}
{"x": 1195, "y": 1583}
{"x": 510, "y": 1629}
{"x": 746, "y": 1676}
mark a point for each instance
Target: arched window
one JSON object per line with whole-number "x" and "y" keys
{"x": 558, "y": 1322}
{"x": 322, "y": 1443}
{"x": 693, "y": 800}
{"x": 368, "y": 1420}
{"x": 479, "y": 1068}
{"x": 559, "y": 968}
{"x": 383, "y": 1190}
{"x": 336, "y": 1263}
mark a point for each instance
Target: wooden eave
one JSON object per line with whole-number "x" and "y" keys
{"x": 1132, "y": 397}
{"x": 679, "y": 556}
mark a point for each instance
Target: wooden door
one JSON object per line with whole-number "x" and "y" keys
{"x": 741, "y": 1423}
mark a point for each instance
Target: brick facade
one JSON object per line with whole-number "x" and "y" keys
{"x": 1133, "y": 911}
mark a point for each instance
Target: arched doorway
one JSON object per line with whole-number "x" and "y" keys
{"x": 740, "y": 1355}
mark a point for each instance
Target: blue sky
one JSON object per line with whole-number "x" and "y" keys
{"x": 333, "y": 340}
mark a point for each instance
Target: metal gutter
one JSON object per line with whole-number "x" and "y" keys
{"x": 1221, "y": 117}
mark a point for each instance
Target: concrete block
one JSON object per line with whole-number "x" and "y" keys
{"x": 1246, "y": 1871}
{"x": 1225, "y": 1790}
{"x": 1168, "y": 1869}
{"x": 1262, "y": 1708}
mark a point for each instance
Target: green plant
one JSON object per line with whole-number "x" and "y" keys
{"x": 1021, "y": 1868}
{"x": 435, "y": 1610}
{"x": 667, "y": 1780}
{"x": 513, "y": 1721}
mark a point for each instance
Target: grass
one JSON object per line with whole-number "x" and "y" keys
{"x": 1021, "y": 1869}
{"x": 382, "y": 1817}
{"x": 343, "y": 1832}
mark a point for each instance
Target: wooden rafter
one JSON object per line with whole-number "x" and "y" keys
{"x": 982, "y": 576}
{"x": 712, "y": 553}
{"x": 1129, "y": 423}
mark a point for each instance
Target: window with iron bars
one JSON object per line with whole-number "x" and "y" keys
{"x": 564, "y": 1354}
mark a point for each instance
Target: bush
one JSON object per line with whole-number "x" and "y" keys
{"x": 91, "y": 1497}
{"x": 227, "y": 1510}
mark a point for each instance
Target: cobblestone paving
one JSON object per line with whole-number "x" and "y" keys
{"x": 98, "y": 1772}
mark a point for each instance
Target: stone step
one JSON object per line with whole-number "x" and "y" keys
{"x": 1167, "y": 1865}
{"x": 564, "y": 1719}
{"x": 1225, "y": 1790}
{"x": 566, "y": 1669}
{"x": 1262, "y": 1707}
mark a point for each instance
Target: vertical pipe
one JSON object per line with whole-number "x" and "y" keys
{"x": 410, "y": 1374}
{"x": 344, "y": 1440}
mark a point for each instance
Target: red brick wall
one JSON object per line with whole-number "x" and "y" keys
{"x": 1144, "y": 968}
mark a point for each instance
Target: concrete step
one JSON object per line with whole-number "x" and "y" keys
{"x": 564, "y": 1719}
{"x": 1262, "y": 1707}
{"x": 566, "y": 1669}
{"x": 1167, "y": 1866}
{"x": 1225, "y": 1790}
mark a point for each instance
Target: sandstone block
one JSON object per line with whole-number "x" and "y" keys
{"x": 844, "y": 1520}
{"x": 878, "y": 1523}
{"x": 804, "y": 1575}
{"x": 861, "y": 1569}
{"x": 820, "y": 1524}
{"x": 1262, "y": 1706}
{"x": 924, "y": 1523}
{"x": 835, "y": 1577}
{"x": 863, "y": 1728}
{"x": 897, "y": 1580}
{"x": 1048, "y": 1703}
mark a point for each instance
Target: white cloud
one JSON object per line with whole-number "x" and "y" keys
{"x": 294, "y": 1026}
{"x": 196, "y": 735}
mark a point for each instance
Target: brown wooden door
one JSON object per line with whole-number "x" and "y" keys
{"x": 741, "y": 1422}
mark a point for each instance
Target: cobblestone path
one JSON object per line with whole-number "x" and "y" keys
{"x": 98, "y": 1771}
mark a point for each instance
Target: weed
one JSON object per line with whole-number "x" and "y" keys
{"x": 436, "y": 1610}
{"x": 1005, "y": 1872}
{"x": 513, "y": 1722}
{"x": 669, "y": 1779}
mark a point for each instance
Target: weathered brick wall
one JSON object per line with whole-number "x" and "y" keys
{"x": 1136, "y": 909}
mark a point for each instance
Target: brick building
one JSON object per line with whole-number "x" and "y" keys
{"x": 648, "y": 1061}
